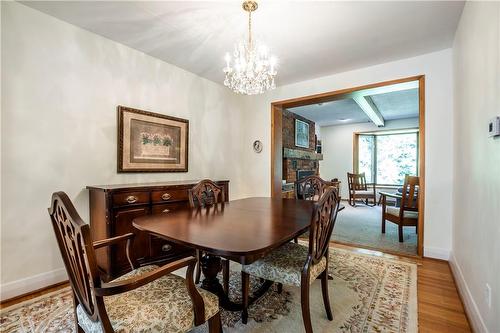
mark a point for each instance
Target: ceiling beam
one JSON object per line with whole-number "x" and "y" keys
{"x": 366, "y": 104}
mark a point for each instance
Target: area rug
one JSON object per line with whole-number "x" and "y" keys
{"x": 361, "y": 226}
{"x": 367, "y": 294}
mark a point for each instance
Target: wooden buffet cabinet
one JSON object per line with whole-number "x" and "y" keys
{"x": 114, "y": 207}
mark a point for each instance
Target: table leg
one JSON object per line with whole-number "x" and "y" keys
{"x": 211, "y": 266}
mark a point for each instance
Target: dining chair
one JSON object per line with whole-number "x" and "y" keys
{"x": 312, "y": 187}
{"x": 204, "y": 194}
{"x": 149, "y": 298}
{"x": 299, "y": 265}
{"x": 407, "y": 213}
{"x": 358, "y": 189}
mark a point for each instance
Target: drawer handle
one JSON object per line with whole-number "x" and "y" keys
{"x": 166, "y": 248}
{"x": 166, "y": 196}
{"x": 131, "y": 199}
{"x": 166, "y": 210}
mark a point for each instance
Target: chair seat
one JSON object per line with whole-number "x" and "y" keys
{"x": 163, "y": 305}
{"x": 284, "y": 265}
{"x": 363, "y": 192}
{"x": 407, "y": 213}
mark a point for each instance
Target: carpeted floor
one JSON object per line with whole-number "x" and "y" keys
{"x": 367, "y": 294}
{"x": 361, "y": 225}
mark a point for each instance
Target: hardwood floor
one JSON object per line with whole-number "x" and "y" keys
{"x": 440, "y": 308}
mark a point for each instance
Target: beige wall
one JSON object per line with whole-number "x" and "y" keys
{"x": 337, "y": 147}
{"x": 437, "y": 67}
{"x": 61, "y": 86}
{"x": 476, "y": 195}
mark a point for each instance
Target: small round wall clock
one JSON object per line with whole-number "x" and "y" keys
{"x": 257, "y": 146}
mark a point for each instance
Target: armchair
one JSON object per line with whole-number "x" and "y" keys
{"x": 358, "y": 189}
{"x": 147, "y": 298}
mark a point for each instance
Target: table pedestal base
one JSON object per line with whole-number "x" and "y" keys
{"x": 211, "y": 266}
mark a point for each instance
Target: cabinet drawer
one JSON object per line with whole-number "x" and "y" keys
{"x": 170, "y": 195}
{"x": 161, "y": 249}
{"x": 170, "y": 207}
{"x": 130, "y": 198}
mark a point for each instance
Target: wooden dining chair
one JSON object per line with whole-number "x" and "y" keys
{"x": 407, "y": 213}
{"x": 300, "y": 265}
{"x": 204, "y": 194}
{"x": 358, "y": 189}
{"x": 148, "y": 298}
{"x": 311, "y": 188}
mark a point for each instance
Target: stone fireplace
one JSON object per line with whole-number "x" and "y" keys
{"x": 297, "y": 159}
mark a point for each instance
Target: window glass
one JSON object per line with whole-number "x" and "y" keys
{"x": 366, "y": 150}
{"x": 387, "y": 158}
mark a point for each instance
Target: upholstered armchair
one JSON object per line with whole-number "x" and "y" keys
{"x": 359, "y": 189}
{"x": 149, "y": 298}
{"x": 299, "y": 265}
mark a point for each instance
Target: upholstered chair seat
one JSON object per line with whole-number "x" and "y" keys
{"x": 163, "y": 305}
{"x": 407, "y": 214}
{"x": 284, "y": 265}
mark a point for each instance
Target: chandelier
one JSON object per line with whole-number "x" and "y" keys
{"x": 252, "y": 71}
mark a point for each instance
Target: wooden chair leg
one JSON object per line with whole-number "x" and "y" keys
{"x": 324, "y": 290}
{"x": 245, "y": 288}
{"x": 280, "y": 288}
{"x": 304, "y": 302}
{"x": 215, "y": 324}
{"x": 197, "y": 272}
{"x": 296, "y": 240}
{"x": 225, "y": 275}
{"x": 400, "y": 231}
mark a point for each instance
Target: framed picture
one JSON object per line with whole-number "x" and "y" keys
{"x": 301, "y": 134}
{"x": 151, "y": 142}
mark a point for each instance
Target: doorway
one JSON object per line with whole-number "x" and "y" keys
{"x": 280, "y": 113}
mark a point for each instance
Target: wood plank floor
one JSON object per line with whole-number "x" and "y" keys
{"x": 440, "y": 309}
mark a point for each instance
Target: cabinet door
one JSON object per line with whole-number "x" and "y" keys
{"x": 123, "y": 224}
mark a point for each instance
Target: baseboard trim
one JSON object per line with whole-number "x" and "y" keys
{"x": 471, "y": 309}
{"x": 436, "y": 253}
{"x": 22, "y": 286}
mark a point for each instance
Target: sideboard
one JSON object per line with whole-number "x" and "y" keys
{"x": 114, "y": 207}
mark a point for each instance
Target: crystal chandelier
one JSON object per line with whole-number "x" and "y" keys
{"x": 253, "y": 70}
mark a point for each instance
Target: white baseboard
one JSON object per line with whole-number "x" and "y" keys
{"x": 436, "y": 253}
{"x": 32, "y": 283}
{"x": 475, "y": 318}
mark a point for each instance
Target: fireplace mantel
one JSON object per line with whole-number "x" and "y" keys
{"x": 301, "y": 154}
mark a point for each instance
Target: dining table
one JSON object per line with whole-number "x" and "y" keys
{"x": 241, "y": 230}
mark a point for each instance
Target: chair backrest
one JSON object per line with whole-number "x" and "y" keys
{"x": 356, "y": 181}
{"x": 322, "y": 223}
{"x": 409, "y": 195}
{"x": 205, "y": 193}
{"x": 311, "y": 188}
{"x": 75, "y": 244}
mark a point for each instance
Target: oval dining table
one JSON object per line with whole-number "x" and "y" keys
{"x": 240, "y": 230}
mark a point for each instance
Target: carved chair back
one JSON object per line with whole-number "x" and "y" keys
{"x": 75, "y": 244}
{"x": 322, "y": 223}
{"x": 356, "y": 182}
{"x": 311, "y": 188}
{"x": 409, "y": 196}
{"x": 205, "y": 193}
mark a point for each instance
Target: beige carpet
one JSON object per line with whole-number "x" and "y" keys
{"x": 361, "y": 226}
{"x": 367, "y": 293}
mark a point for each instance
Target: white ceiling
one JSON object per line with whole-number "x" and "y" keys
{"x": 392, "y": 105}
{"x": 310, "y": 39}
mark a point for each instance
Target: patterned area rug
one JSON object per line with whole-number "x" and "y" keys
{"x": 367, "y": 294}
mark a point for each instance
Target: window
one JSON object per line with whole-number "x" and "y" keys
{"x": 386, "y": 157}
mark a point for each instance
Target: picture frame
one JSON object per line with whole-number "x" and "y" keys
{"x": 301, "y": 133}
{"x": 151, "y": 142}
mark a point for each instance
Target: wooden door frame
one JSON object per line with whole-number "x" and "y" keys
{"x": 277, "y": 138}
